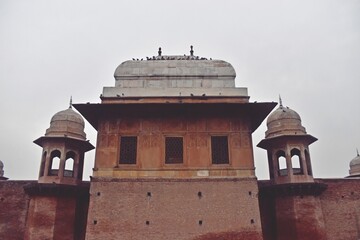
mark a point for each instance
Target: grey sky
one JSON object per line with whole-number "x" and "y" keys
{"x": 308, "y": 51}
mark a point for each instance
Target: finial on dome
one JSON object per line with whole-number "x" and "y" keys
{"x": 191, "y": 51}
{"x": 280, "y": 101}
{"x": 159, "y": 52}
{"x": 70, "y": 104}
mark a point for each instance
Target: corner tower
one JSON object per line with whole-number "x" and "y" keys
{"x": 355, "y": 166}
{"x": 59, "y": 200}
{"x": 174, "y": 152}
{"x": 291, "y": 191}
{"x": 287, "y": 144}
{"x": 64, "y": 146}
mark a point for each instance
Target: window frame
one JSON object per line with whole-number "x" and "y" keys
{"x": 183, "y": 150}
{"x": 228, "y": 150}
{"x": 119, "y": 163}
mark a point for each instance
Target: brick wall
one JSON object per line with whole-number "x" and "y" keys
{"x": 13, "y": 209}
{"x": 224, "y": 208}
{"x": 341, "y": 208}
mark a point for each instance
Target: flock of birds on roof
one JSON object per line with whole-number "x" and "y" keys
{"x": 185, "y": 57}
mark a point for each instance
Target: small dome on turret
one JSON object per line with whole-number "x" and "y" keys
{"x": 355, "y": 165}
{"x": 355, "y": 161}
{"x": 1, "y": 169}
{"x": 284, "y": 121}
{"x": 67, "y": 123}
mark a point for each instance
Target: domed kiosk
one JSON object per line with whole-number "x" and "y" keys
{"x": 2, "y": 171}
{"x": 355, "y": 166}
{"x": 291, "y": 186}
{"x": 288, "y": 147}
{"x": 64, "y": 145}
{"x": 60, "y": 187}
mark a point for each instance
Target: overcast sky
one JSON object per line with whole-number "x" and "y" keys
{"x": 308, "y": 51}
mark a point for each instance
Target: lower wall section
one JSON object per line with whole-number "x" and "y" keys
{"x": 13, "y": 209}
{"x": 299, "y": 217}
{"x": 50, "y": 218}
{"x": 201, "y": 209}
{"x": 341, "y": 208}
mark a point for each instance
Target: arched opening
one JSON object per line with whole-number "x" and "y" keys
{"x": 296, "y": 162}
{"x": 69, "y": 164}
{"x": 308, "y": 162}
{"x": 42, "y": 165}
{"x": 54, "y": 163}
{"x": 282, "y": 167}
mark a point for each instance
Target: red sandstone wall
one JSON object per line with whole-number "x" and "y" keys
{"x": 13, "y": 209}
{"x": 268, "y": 216}
{"x": 299, "y": 217}
{"x": 171, "y": 209}
{"x": 51, "y": 218}
{"x": 341, "y": 208}
{"x": 196, "y": 133}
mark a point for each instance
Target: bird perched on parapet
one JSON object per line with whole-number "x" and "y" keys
{"x": 204, "y": 95}
{"x": 137, "y": 59}
{"x": 141, "y": 59}
{"x": 191, "y": 94}
{"x": 210, "y": 58}
{"x": 133, "y": 59}
{"x": 118, "y": 95}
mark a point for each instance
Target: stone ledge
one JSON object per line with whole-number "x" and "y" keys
{"x": 202, "y": 179}
{"x": 173, "y": 92}
{"x": 291, "y": 189}
{"x": 44, "y": 189}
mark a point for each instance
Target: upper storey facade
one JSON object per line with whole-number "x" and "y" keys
{"x": 175, "y": 116}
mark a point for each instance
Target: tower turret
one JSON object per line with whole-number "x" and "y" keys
{"x": 292, "y": 187}
{"x": 2, "y": 171}
{"x": 287, "y": 144}
{"x": 355, "y": 166}
{"x": 60, "y": 196}
{"x": 64, "y": 146}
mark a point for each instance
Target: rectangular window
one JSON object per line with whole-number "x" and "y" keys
{"x": 219, "y": 150}
{"x": 174, "y": 150}
{"x": 128, "y": 148}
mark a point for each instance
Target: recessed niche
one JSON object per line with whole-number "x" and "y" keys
{"x": 147, "y": 222}
{"x": 95, "y": 222}
{"x": 149, "y": 194}
{"x": 98, "y": 193}
{"x": 252, "y": 221}
{"x": 200, "y": 222}
{"x": 199, "y": 194}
